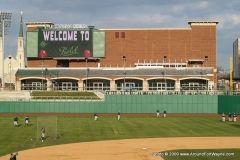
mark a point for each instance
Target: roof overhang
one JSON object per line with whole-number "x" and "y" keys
{"x": 76, "y": 58}
{"x": 196, "y": 60}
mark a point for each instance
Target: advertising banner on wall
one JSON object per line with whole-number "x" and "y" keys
{"x": 65, "y": 43}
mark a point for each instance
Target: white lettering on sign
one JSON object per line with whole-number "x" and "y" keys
{"x": 86, "y": 36}
{"x": 65, "y": 35}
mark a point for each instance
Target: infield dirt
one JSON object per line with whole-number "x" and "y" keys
{"x": 132, "y": 149}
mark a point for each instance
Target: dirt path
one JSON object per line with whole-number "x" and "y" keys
{"x": 133, "y": 149}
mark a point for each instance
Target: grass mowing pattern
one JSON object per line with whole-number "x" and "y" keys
{"x": 74, "y": 129}
{"x": 202, "y": 154}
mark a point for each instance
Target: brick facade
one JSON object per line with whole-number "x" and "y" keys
{"x": 171, "y": 45}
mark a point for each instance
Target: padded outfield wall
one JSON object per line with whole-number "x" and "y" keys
{"x": 229, "y": 104}
{"x": 119, "y": 103}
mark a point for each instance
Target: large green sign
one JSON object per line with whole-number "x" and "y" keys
{"x": 65, "y": 43}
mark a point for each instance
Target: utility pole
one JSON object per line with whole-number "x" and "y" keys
{"x": 124, "y": 73}
{"x": 231, "y": 74}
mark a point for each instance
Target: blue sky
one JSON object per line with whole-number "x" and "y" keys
{"x": 130, "y": 13}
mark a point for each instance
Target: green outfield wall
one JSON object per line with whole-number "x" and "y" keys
{"x": 119, "y": 103}
{"x": 229, "y": 104}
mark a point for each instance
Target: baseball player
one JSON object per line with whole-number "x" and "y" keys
{"x": 234, "y": 117}
{"x": 118, "y": 115}
{"x": 164, "y": 114}
{"x": 158, "y": 114}
{"x": 13, "y": 156}
{"x": 223, "y": 117}
{"x": 26, "y": 120}
{"x": 15, "y": 121}
{"x": 95, "y": 116}
{"x": 42, "y": 134}
{"x": 230, "y": 117}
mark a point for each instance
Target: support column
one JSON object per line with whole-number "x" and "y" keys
{"x": 145, "y": 85}
{"x": 177, "y": 85}
{"x": 210, "y": 85}
{"x": 18, "y": 85}
{"x": 80, "y": 85}
{"x": 112, "y": 85}
{"x": 49, "y": 85}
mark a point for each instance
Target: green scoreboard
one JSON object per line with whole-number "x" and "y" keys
{"x": 65, "y": 43}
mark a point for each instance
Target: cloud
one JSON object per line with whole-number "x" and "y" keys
{"x": 227, "y": 21}
{"x": 178, "y": 8}
{"x": 153, "y": 19}
{"x": 202, "y": 5}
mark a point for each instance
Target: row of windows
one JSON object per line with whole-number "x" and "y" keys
{"x": 120, "y": 85}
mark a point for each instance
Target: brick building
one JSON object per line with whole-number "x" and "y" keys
{"x": 177, "y": 59}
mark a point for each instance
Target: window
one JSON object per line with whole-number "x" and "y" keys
{"x": 128, "y": 86}
{"x": 206, "y": 58}
{"x": 116, "y": 34}
{"x": 62, "y": 63}
{"x": 122, "y": 34}
{"x": 165, "y": 59}
{"x": 66, "y": 85}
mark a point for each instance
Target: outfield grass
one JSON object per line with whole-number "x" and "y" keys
{"x": 202, "y": 154}
{"x": 75, "y": 129}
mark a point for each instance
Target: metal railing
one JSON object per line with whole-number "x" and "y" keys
{"x": 194, "y": 92}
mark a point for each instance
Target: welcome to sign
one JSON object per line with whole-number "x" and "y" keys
{"x": 64, "y": 43}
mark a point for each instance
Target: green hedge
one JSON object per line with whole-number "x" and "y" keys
{"x": 63, "y": 95}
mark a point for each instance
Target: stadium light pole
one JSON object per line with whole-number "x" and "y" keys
{"x": 124, "y": 72}
{"x": 5, "y": 21}
{"x": 10, "y": 72}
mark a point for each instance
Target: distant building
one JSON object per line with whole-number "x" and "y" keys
{"x": 10, "y": 63}
{"x": 236, "y": 59}
{"x": 10, "y": 69}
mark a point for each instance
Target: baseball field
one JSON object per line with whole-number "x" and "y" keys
{"x": 148, "y": 134}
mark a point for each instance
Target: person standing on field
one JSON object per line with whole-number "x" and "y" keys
{"x": 43, "y": 134}
{"x": 230, "y": 117}
{"x": 15, "y": 121}
{"x": 118, "y": 116}
{"x": 158, "y": 114}
{"x": 164, "y": 113}
{"x": 234, "y": 117}
{"x": 13, "y": 156}
{"x": 95, "y": 116}
{"x": 26, "y": 120}
{"x": 223, "y": 117}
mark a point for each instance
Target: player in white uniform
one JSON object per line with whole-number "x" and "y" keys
{"x": 158, "y": 114}
{"x": 26, "y": 121}
{"x": 43, "y": 134}
{"x": 95, "y": 116}
{"x": 223, "y": 117}
{"x": 118, "y": 116}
